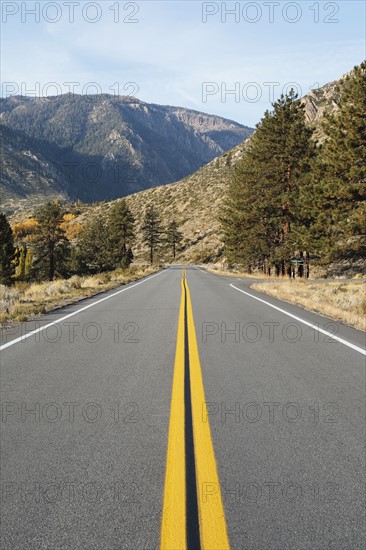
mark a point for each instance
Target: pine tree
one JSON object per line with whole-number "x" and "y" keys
{"x": 76, "y": 263}
{"x": 7, "y": 266}
{"x": 127, "y": 261}
{"x": 263, "y": 215}
{"x": 152, "y": 232}
{"x": 105, "y": 242}
{"x": 121, "y": 226}
{"x": 95, "y": 246}
{"x": 173, "y": 237}
{"x": 50, "y": 246}
{"x": 339, "y": 178}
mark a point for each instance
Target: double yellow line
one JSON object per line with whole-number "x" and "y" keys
{"x": 193, "y": 513}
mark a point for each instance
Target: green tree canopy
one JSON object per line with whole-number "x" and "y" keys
{"x": 264, "y": 211}
{"x": 121, "y": 227}
{"x": 96, "y": 247}
{"x": 105, "y": 242}
{"x": 339, "y": 177}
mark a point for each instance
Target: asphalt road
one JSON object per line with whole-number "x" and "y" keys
{"x": 85, "y": 428}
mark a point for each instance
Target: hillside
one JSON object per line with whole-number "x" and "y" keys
{"x": 102, "y": 147}
{"x": 27, "y": 177}
{"x": 196, "y": 201}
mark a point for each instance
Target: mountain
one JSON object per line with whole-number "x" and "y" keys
{"x": 102, "y": 147}
{"x": 196, "y": 201}
{"x": 319, "y": 101}
{"x": 27, "y": 177}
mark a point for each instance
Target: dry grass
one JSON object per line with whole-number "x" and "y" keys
{"x": 24, "y": 301}
{"x": 342, "y": 300}
{"x": 240, "y": 274}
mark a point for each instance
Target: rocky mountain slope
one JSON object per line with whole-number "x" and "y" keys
{"x": 319, "y": 101}
{"x": 102, "y": 147}
{"x": 27, "y": 177}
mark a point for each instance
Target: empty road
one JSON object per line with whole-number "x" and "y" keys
{"x": 183, "y": 411}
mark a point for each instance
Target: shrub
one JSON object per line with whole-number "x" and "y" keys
{"x": 75, "y": 281}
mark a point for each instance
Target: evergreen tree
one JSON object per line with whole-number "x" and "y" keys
{"x": 264, "y": 213}
{"x": 121, "y": 226}
{"x": 105, "y": 243}
{"x": 173, "y": 237}
{"x": 96, "y": 251}
{"x": 7, "y": 266}
{"x": 77, "y": 264}
{"x": 151, "y": 229}
{"x": 339, "y": 178}
{"x": 128, "y": 259}
{"x": 50, "y": 246}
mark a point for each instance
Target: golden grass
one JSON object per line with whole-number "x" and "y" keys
{"x": 24, "y": 301}
{"x": 342, "y": 300}
{"x": 240, "y": 274}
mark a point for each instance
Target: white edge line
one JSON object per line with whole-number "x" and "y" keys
{"x": 44, "y": 327}
{"x": 340, "y": 340}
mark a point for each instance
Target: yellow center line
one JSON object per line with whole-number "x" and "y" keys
{"x": 213, "y": 531}
{"x": 211, "y": 516}
{"x": 173, "y": 525}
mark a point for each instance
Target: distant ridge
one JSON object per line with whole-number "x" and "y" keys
{"x": 101, "y": 147}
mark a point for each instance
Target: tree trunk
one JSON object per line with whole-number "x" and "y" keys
{"x": 301, "y": 266}
{"x": 307, "y": 265}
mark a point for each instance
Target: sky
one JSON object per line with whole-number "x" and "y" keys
{"x": 231, "y": 59}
